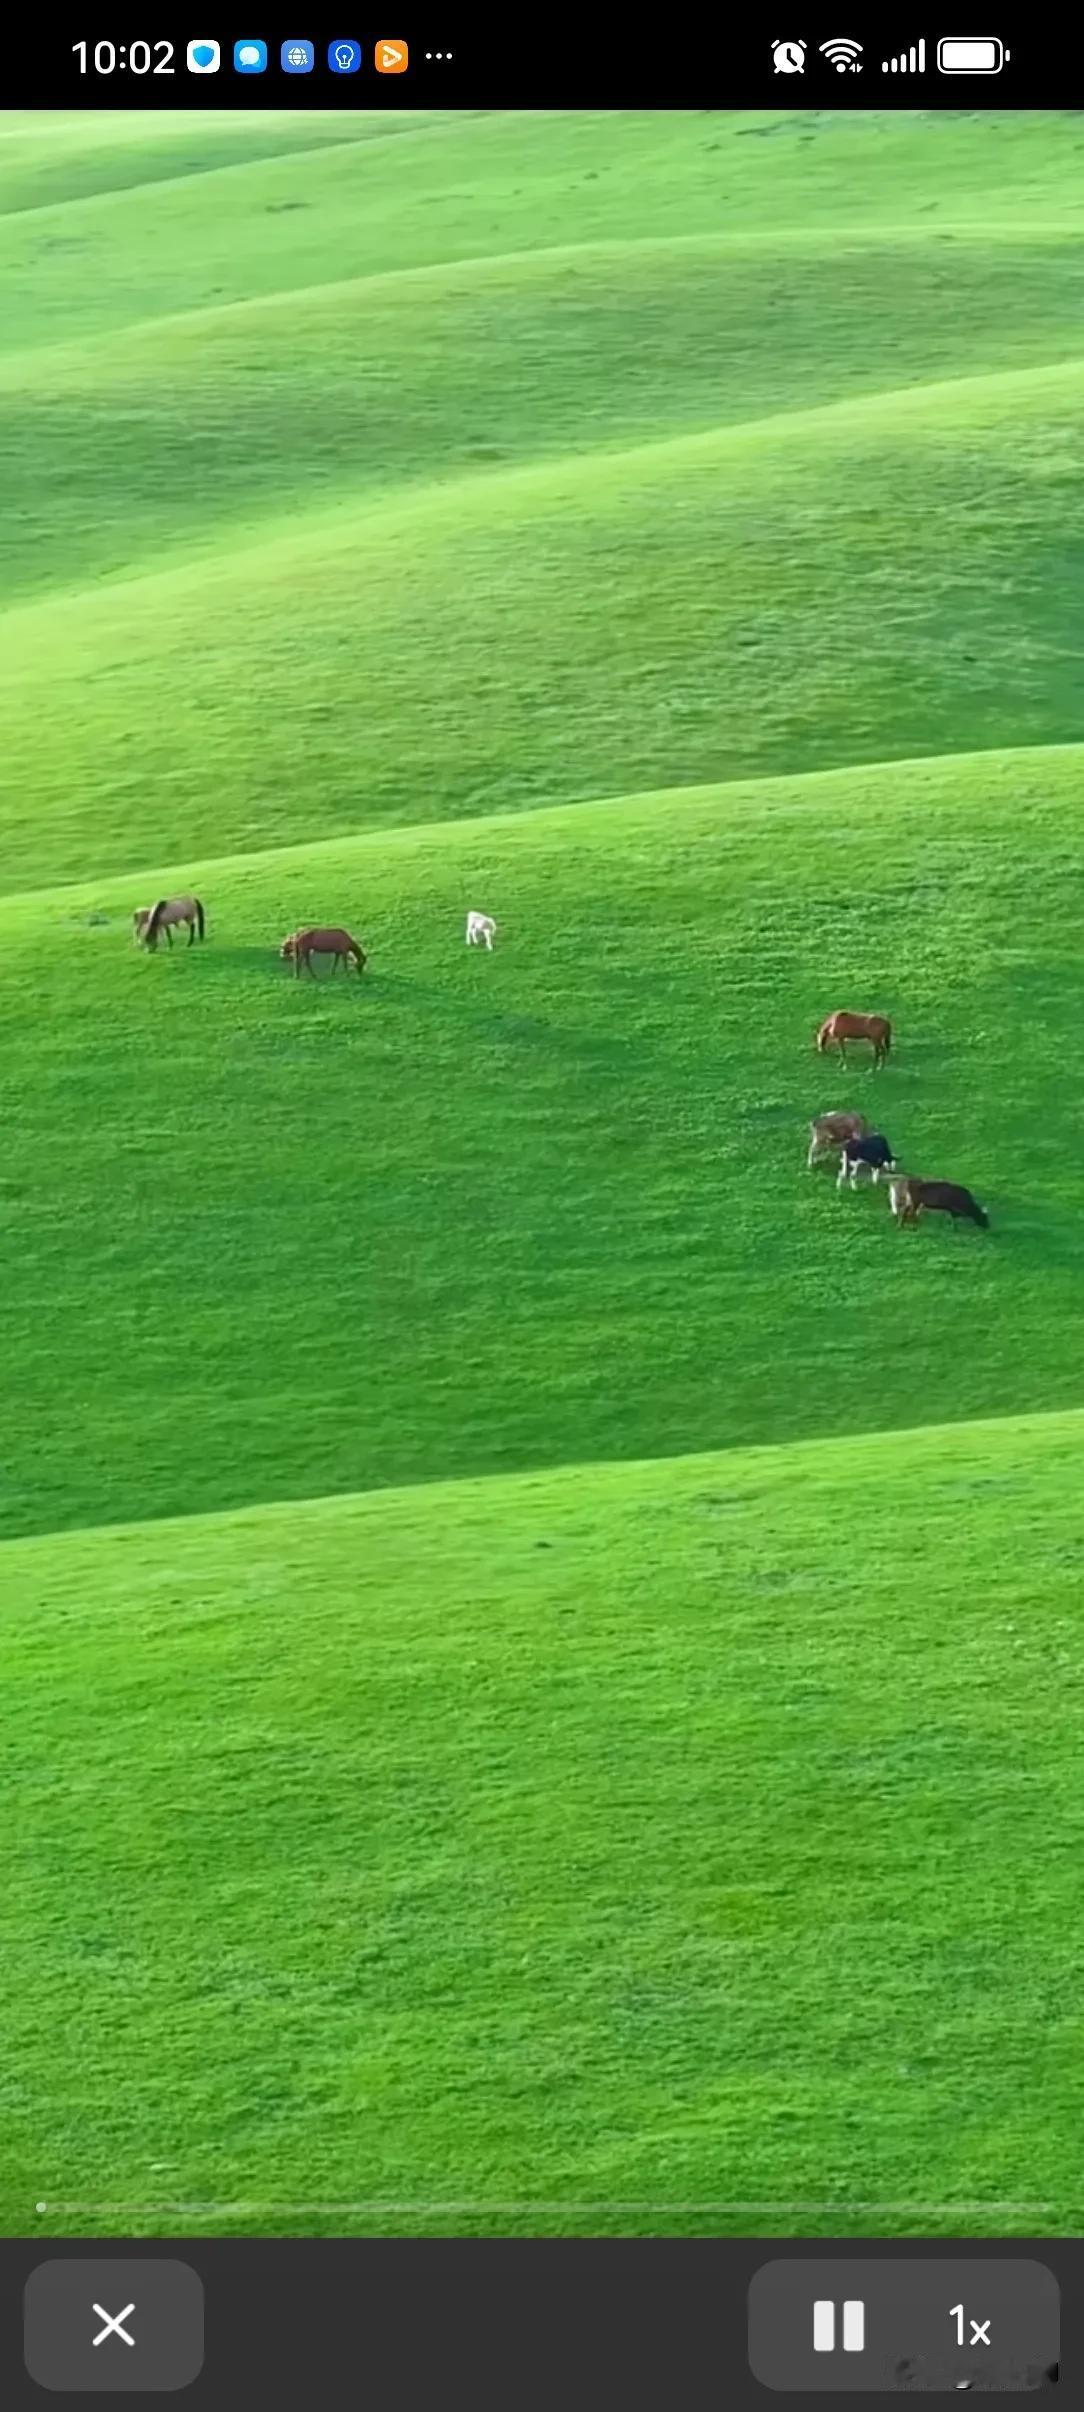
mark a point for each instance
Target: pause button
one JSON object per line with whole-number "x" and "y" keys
{"x": 853, "y": 2327}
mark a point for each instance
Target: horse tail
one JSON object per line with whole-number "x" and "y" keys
{"x": 888, "y": 1038}
{"x": 150, "y": 935}
{"x": 201, "y": 917}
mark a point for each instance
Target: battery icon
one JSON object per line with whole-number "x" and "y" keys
{"x": 971, "y": 57}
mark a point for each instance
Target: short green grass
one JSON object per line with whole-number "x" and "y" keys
{"x": 885, "y": 576}
{"x": 541, "y": 1661}
{"x": 479, "y": 1213}
{"x": 688, "y": 1846}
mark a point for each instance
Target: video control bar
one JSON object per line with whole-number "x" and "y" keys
{"x": 696, "y": 2321}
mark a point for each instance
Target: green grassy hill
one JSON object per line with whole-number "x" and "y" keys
{"x": 580, "y": 1604}
{"x": 890, "y": 577}
{"x": 688, "y": 1846}
{"x": 488, "y": 1213}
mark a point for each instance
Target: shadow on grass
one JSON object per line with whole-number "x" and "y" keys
{"x": 214, "y": 958}
{"x": 446, "y": 1004}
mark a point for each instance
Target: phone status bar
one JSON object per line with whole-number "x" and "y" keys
{"x": 1011, "y": 65}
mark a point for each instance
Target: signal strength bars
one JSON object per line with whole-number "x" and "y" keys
{"x": 908, "y": 62}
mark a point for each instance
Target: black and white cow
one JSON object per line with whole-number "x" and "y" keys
{"x": 872, "y": 1150}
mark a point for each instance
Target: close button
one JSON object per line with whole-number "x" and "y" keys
{"x": 112, "y": 2327}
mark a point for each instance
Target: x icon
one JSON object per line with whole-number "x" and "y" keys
{"x": 113, "y": 2326}
{"x": 980, "y": 2332}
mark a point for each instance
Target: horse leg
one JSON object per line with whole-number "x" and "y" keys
{"x": 169, "y": 935}
{"x": 191, "y": 933}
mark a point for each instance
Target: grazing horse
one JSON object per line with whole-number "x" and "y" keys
{"x": 873, "y": 1151}
{"x": 302, "y": 945}
{"x": 910, "y": 1197}
{"x": 165, "y": 915}
{"x": 481, "y": 930}
{"x": 840, "y": 1027}
{"x": 829, "y": 1131}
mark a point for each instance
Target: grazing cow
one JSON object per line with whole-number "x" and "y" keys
{"x": 840, "y": 1027}
{"x": 873, "y": 1151}
{"x": 910, "y": 1197}
{"x": 166, "y": 915}
{"x": 302, "y": 945}
{"x": 481, "y": 930}
{"x": 827, "y": 1132}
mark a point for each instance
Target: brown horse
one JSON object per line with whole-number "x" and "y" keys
{"x": 840, "y": 1027}
{"x": 910, "y": 1197}
{"x": 302, "y": 945}
{"x": 165, "y": 915}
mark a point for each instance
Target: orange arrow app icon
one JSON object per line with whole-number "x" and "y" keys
{"x": 391, "y": 58}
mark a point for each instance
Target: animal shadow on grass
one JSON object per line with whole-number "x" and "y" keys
{"x": 259, "y": 960}
{"x": 442, "y": 1005}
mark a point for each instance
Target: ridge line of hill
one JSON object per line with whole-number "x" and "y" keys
{"x": 538, "y": 816}
{"x": 332, "y": 525}
{"x": 417, "y": 124}
{"x": 567, "y": 1471}
{"x": 901, "y": 233}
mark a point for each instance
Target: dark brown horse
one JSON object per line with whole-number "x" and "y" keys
{"x": 840, "y": 1027}
{"x": 910, "y": 1197}
{"x": 165, "y": 915}
{"x": 302, "y": 945}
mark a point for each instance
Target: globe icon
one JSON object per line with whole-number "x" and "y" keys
{"x": 295, "y": 56}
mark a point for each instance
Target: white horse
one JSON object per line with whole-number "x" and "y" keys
{"x": 481, "y": 930}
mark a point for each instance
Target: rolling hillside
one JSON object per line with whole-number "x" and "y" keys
{"x": 616, "y": 1849}
{"x": 482, "y": 1214}
{"x": 579, "y": 1604}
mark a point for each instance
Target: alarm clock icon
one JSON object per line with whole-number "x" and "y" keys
{"x": 788, "y": 57}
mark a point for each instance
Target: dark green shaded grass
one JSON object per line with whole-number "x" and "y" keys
{"x": 481, "y": 1213}
{"x": 648, "y": 1848}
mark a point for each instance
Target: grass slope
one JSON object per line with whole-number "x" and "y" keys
{"x": 485, "y": 1213}
{"x": 180, "y": 435}
{"x": 408, "y": 194}
{"x": 693, "y": 1839}
{"x": 886, "y": 576}
{"x": 455, "y": 467}
{"x": 63, "y": 156}
{"x": 692, "y": 1834}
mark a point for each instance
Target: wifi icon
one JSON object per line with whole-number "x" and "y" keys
{"x": 844, "y": 56}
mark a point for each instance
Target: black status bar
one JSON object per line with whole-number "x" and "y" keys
{"x": 549, "y": 63}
